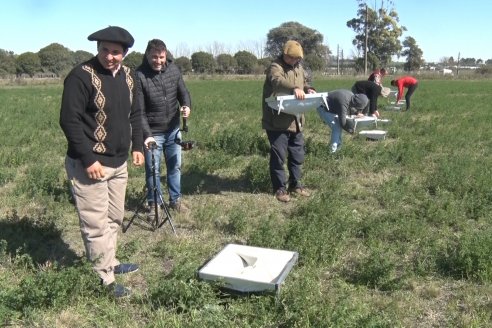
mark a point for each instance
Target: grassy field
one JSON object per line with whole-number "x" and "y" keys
{"x": 398, "y": 232}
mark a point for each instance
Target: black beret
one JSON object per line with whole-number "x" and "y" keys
{"x": 113, "y": 34}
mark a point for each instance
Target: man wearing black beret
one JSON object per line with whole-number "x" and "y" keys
{"x": 101, "y": 122}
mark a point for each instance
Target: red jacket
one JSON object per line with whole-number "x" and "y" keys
{"x": 404, "y": 82}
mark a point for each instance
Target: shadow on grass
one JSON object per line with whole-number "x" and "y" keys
{"x": 206, "y": 183}
{"x": 192, "y": 182}
{"x": 37, "y": 237}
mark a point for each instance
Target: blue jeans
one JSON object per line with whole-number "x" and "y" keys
{"x": 336, "y": 129}
{"x": 167, "y": 144}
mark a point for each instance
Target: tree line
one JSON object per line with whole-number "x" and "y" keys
{"x": 377, "y": 41}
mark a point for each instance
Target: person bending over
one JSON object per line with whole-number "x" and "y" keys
{"x": 372, "y": 91}
{"x": 408, "y": 82}
{"x": 341, "y": 103}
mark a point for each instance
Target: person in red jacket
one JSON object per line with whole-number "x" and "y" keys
{"x": 408, "y": 82}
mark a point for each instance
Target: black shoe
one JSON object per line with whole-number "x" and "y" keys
{"x": 118, "y": 290}
{"x": 125, "y": 268}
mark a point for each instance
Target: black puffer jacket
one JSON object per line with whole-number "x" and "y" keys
{"x": 372, "y": 91}
{"x": 159, "y": 95}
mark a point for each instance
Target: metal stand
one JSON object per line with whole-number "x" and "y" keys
{"x": 160, "y": 217}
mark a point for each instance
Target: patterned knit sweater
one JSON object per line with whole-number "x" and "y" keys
{"x": 98, "y": 114}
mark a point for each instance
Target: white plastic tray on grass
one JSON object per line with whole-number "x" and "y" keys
{"x": 362, "y": 121}
{"x": 373, "y": 134}
{"x": 290, "y": 105}
{"x": 249, "y": 269}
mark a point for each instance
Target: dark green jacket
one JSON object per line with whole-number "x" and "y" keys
{"x": 281, "y": 80}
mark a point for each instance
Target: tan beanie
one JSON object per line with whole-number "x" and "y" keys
{"x": 293, "y": 49}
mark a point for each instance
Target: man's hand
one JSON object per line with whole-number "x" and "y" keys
{"x": 299, "y": 93}
{"x": 148, "y": 141}
{"x": 185, "y": 110}
{"x": 138, "y": 158}
{"x": 95, "y": 171}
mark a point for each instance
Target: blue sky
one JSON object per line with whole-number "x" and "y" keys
{"x": 442, "y": 28}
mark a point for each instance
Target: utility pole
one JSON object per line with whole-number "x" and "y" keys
{"x": 338, "y": 59}
{"x": 366, "y": 41}
{"x": 458, "y": 65}
{"x": 341, "y": 68}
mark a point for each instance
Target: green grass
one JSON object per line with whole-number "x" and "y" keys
{"x": 397, "y": 232}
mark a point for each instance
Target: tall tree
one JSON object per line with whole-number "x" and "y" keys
{"x": 133, "y": 59}
{"x": 226, "y": 63}
{"x": 311, "y": 40}
{"x": 28, "y": 63}
{"x": 7, "y": 63}
{"x": 246, "y": 62}
{"x": 202, "y": 62}
{"x": 56, "y": 58}
{"x": 413, "y": 53}
{"x": 383, "y": 32}
{"x": 184, "y": 64}
{"x": 314, "y": 63}
{"x": 468, "y": 62}
{"x": 81, "y": 56}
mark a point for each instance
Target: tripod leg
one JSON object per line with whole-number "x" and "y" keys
{"x": 167, "y": 218}
{"x": 165, "y": 211}
{"x": 135, "y": 215}
{"x": 155, "y": 191}
{"x": 156, "y": 212}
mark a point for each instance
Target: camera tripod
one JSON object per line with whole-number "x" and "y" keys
{"x": 160, "y": 217}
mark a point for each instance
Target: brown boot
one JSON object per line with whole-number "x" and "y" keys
{"x": 301, "y": 191}
{"x": 282, "y": 196}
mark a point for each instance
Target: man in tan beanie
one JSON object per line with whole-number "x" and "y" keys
{"x": 286, "y": 76}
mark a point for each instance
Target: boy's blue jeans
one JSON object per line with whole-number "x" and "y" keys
{"x": 336, "y": 129}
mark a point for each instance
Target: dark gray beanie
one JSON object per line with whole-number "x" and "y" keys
{"x": 359, "y": 101}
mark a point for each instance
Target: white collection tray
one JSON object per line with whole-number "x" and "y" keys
{"x": 373, "y": 134}
{"x": 290, "y": 105}
{"x": 249, "y": 269}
